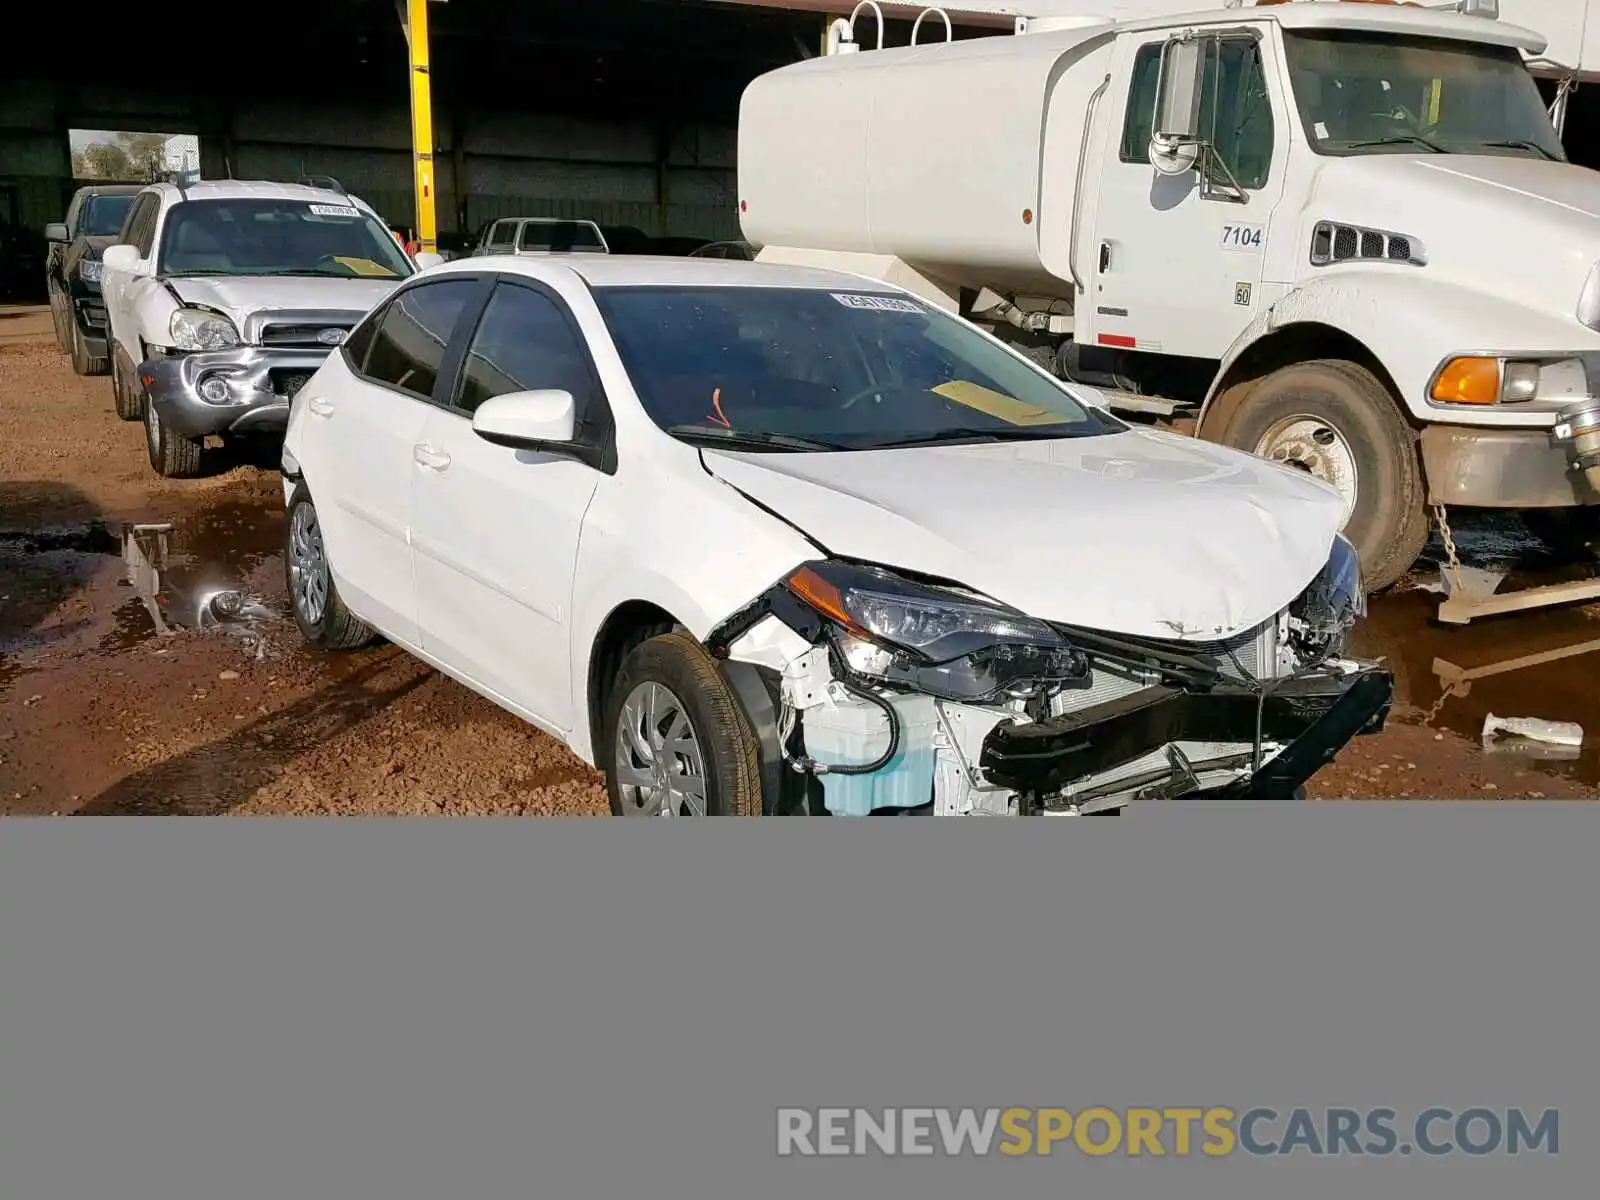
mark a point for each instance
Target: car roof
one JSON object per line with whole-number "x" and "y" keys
{"x": 111, "y": 189}
{"x": 256, "y": 189}
{"x": 642, "y": 270}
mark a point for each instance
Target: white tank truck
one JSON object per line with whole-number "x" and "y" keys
{"x": 1340, "y": 235}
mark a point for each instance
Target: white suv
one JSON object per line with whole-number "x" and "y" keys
{"x": 542, "y": 235}
{"x": 757, "y": 539}
{"x": 224, "y": 297}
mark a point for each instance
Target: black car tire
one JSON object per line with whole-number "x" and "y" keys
{"x": 171, "y": 454}
{"x": 83, "y": 363}
{"x": 125, "y": 399}
{"x": 335, "y": 627}
{"x": 730, "y": 749}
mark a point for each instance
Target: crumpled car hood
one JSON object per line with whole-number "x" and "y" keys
{"x": 240, "y": 296}
{"x": 1142, "y": 533}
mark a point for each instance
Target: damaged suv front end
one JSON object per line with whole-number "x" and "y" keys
{"x": 902, "y": 695}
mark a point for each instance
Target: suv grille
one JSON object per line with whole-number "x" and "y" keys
{"x": 1334, "y": 243}
{"x": 305, "y": 336}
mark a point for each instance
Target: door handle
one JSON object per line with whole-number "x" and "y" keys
{"x": 1105, "y": 257}
{"x": 426, "y": 456}
{"x": 321, "y": 406}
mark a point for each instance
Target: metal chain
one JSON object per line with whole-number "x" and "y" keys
{"x": 1453, "y": 688}
{"x": 1452, "y": 559}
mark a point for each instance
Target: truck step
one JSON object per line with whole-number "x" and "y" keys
{"x": 1132, "y": 402}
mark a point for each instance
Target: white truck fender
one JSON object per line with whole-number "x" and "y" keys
{"x": 1411, "y": 325}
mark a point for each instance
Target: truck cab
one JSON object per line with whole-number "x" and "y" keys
{"x": 1342, "y": 236}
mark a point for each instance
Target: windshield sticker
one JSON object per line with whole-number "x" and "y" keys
{"x": 335, "y": 210}
{"x": 877, "y": 303}
{"x": 997, "y": 404}
{"x": 364, "y": 266}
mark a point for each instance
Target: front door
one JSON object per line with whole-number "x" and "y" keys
{"x": 1178, "y": 259}
{"x": 495, "y": 538}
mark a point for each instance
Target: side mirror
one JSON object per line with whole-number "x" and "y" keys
{"x": 542, "y": 420}
{"x": 427, "y": 258}
{"x": 56, "y": 231}
{"x": 121, "y": 257}
{"x": 1175, "y": 132}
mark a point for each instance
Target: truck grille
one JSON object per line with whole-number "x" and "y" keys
{"x": 1335, "y": 243}
{"x": 303, "y": 336}
{"x": 287, "y": 383}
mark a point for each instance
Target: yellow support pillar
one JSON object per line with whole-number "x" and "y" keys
{"x": 422, "y": 124}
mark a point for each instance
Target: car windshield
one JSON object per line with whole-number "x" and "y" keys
{"x": 103, "y": 215}
{"x": 559, "y": 237}
{"x": 805, "y": 369}
{"x": 279, "y": 237}
{"x": 1373, "y": 93}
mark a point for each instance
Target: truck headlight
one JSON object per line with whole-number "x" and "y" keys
{"x": 931, "y": 639}
{"x": 1321, "y": 616}
{"x": 197, "y": 329}
{"x": 89, "y": 270}
{"x": 1481, "y": 379}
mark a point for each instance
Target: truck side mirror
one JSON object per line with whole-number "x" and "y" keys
{"x": 56, "y": 231}
{"x": 1175, "y": 131}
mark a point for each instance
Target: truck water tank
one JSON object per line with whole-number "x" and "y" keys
{"x": 960, "y": 158}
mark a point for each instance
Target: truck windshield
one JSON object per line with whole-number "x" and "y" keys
{"x": 1373, "y": 93}
{"x": 561, "y": 237}
{"x": 801, "y": 369}
{"x": 102, "y": 215}
{"x": 279, "y": 237}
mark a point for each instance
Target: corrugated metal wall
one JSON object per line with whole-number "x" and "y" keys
{"x": 510, "y": 164}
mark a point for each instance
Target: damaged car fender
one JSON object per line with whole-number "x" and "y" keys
{"x": 698, "y": 573}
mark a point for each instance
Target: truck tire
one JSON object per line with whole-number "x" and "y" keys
{"x": 126, "y": 400}
{"x": 720, "y": 749}
{"x": 1333, "y": 419}
{"x": 60, "y": 319}
{"x": 319, "y": 610}
{"x": 82, "y": 362}
{"x": 172, "y": 455}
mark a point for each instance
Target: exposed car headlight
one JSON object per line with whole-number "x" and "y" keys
{"x": 935, "y": 640}
{"x": 196, "y": 329}
{"x": 89, "y": 270}
{"x": 1321, "y": 617}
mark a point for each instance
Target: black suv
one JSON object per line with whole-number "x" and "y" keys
{"x": 72, "y": 270}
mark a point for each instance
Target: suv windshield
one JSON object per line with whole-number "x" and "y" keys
{"x": 800, "y": 369}
{"x": 278, "y": 237}
{"x": 1370, "y": 93}
{"x": 103, "y": 215}
{"x": 558, "y": 237}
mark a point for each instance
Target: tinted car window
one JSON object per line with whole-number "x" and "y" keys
{"x": 523, "y": 343}
{"x": 104, "y": 215}
{"x": 501, "y": 234}
{"x": 413, "y": 333}
{"x": 559, "y": 236}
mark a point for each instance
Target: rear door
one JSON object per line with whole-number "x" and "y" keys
{"x": 496, "y": 529}
{"x": 371, "y": 422}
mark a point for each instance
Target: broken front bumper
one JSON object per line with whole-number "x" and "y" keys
{"x": 243, "y": 390}
{"x": 1311, "y": 717}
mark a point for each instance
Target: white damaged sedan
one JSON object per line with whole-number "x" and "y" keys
{"x": 762, "y": 540}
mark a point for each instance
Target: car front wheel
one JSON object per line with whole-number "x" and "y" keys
{"x": 676, "y": 742}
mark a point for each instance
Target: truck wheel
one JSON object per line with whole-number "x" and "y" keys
{"x": 1333, "y": 419}
{"x": 57, "y": 316}
{"x": 128, "y": 403}
{"x": 82, "y": 362}
{"x": 675, "y": 741}
{"x": 172, "y": 455}
{"x": 319, "y": 611}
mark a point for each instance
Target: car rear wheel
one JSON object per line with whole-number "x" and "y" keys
{"x": 171, "y": 454}
{"x": 675, "y": 741}
{"x": 319, "y": 611}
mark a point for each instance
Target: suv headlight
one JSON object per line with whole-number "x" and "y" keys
{"x": 935, "y": 640}
{"x": 1321, "y": 617}
{"x": 89, "y": 270}
{"x": 196, "y": 329}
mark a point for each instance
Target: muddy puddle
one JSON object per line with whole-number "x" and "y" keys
{"x": 1452, "y": 677}
{"x": 104, "y": 587}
